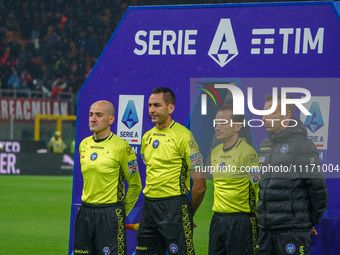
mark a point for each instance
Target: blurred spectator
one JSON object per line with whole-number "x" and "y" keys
{"x": 56, "y": 144}
{"x": 12, "y": 23}
{"x": 56, "y": 91}
{"x": 37, "y": 91}
{"x": 5, "y": 56}
{"x": 14, "y": 81}
{"x": 26, "y": 80}
{"x": 60, "y": 65}
{"x": 58, "y": 87}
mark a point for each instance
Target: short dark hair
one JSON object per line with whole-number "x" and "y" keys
{"x": 290, "y": 107}
{"x": 235, "y": 118}
{"x": 168, "y": 95}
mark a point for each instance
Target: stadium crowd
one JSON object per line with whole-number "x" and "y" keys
{"x": 53, "y": 44}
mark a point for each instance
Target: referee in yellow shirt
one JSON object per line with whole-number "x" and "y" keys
{"x": 106, "y": 162}
{"x": 169, "y": 151}
{"x": 234, "y": 165}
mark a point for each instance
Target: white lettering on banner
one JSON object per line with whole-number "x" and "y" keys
{"x": 27, "y": 113}
{"x": 11, "y": 146}
{"x": 8, "y": 158}
{"x": 7, "y": 164}
{"x": 18, "y": 110}
{"x": 35, "y": 108}
{"x": 135, "y": 149}
{"x": 4, "y": 109}
{"x": 223, "y": 47}
{"x": 56, "y": 108}
{"x": 63, "y": 108}
{"x": 264, "y": 39}
{"x": 27, "y": 109}
{"x": 162, "y": 42}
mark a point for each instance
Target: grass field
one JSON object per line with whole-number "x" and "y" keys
{"x": 35, "y": 216}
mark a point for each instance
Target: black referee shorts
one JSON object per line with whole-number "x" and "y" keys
{"x": 166, "y": 225}
{"x": 100, "y": 229}
{"x": 232, "y": 234}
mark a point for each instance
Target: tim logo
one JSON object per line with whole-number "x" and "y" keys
{"x": 130, "y": 117}
{"x": 314, "y": 121}
{"x": 223, "y": 47}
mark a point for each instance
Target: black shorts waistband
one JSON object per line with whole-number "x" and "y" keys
{"x": 150, "y": 199}
{"x": 100, "y": 205}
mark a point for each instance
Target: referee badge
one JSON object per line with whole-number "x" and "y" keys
{"x": 155, "y": 144}
{"x": 94, "y": 156}
{"x": 173, "y": 248}
{"x": 106, "y": 251}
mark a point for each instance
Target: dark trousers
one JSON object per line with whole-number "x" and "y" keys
{"x": 283, "y": 243}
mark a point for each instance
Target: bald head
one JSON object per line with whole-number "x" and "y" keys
{"x": 106, "y": 106}
{"x": 101, "y": 117}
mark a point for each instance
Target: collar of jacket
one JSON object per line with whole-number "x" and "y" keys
{"x": 298, "y": 130}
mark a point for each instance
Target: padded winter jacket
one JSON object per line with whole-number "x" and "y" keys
{"x": 291, "y": 198}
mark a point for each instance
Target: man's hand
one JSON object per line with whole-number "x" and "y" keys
{"x": 313, "y": 231}
{"x": 198, "y": 190}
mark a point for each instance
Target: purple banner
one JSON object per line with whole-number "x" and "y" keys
{"x": 253, "y": 45}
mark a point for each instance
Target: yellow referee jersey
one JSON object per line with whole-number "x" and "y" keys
{"x": 169, "y": 154}
{"x": 235, "y": 178}
{"x": 105, "y": 164}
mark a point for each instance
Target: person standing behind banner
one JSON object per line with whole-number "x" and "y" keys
{"x": 169, "y": 151}
{"x": 233, "y": 228}
{"x": 56, "y": 143}
{"x": 106, "y": 161}
{"x": 290, "y": 203}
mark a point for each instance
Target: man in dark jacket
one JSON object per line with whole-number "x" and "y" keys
{"x": 293, "y": 194}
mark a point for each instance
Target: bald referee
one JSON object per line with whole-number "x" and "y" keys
{"x": 169, "y": 152}
{"x": 233, "y": 229}
{"x": 106, "y": 162}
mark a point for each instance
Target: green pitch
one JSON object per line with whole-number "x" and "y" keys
{"x": 35, "y": 215}
{"x": 202, "y": 220}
